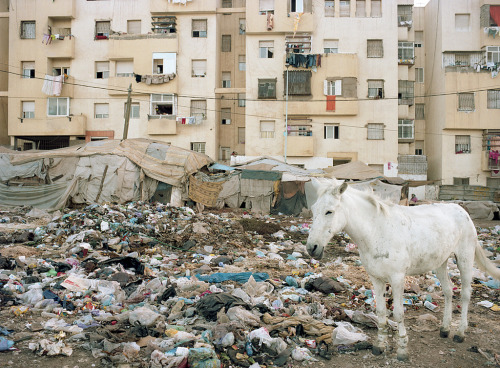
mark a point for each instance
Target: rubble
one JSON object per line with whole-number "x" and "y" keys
{"x": 146, "y": 284}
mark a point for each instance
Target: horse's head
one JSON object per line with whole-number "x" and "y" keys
{"x": 328, "y": 219}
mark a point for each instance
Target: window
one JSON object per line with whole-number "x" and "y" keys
{"x": 58, "y": 106}
{"x": 298, "y": 127}
{"x": 375, "y": 88}
{"x": 376, "y": 9}
{"x": 360, "y": 8}
{"x": 419, "y": 75}
{"x": 460, "y": 181}
{"x": 28, "y": 110}
{"x": 329, "y": 8}
{"x": 406, "y": 52}
{"x": 199, "y": 28}
{"x": 133, "y": 26}
{"x": 419, "y": 147}
{"x": 60, "y": 71}
{"x": 125, "y": 68}
{"x": 405, "y": 15}
{"x": 331, "y": 46}
{"x": 225, "y": 116}
{"x": 375, "y": 131}
{"x": 102, "y": 29}
{"x": 198, "y": 109}
{"x": 332, "y": 87}
{"x": 419, "y": 38}
{"x": 375, "y": 48}
{"x": 101, "y": 69}
{"x": 298, "y": 43}
{"x": 135, "y": 109}
{"x": 420, "y": 111}
{"x": 242, "y": 102}
{"x": 300, "y": 6}
{"x": 493, "y": 99}
{"x": 242, "y": 65}
{"x": 226, "y": 79}
{"x": 227, "y": 3}
{"x": 28, "y": 69}
{"x": 198, "y": 147}
{"x": 267, "y": 88}
{"x": 462, "y": 22}
{"x": 267, "y": 129}
{"x": 226, "y": 43}
{"x": 331, "y": 131}
{"x": 241, "y": 135}
{"x": 243, "y": 26}
{"x": 162, "y": 105}
{"x": 101, "y": 110}
{"x": 225, "y": 153}
{"x": 462, "y": 144}
{"x": 493, "y": 54}
{"x": 266, "y": 49}
{"x": 299, "y": 82}
{"x": 164, "y": 62}
{"x": 345, "y": 8}
{"x": 466, "y": 102}
{"x": 164, "y": 24}
{"x": 406, "y": 92}
{"x": 199, "y": 68}
{"x": 406, "y": 129}
{"x": 28, "y": 29}
{"x": 266, "y": 6}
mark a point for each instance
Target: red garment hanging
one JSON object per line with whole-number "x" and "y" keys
{"x": 330, "y": 103}
{"x": 495, "y": 13}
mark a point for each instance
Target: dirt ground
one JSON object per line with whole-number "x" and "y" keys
{"x": 481, "y": 347}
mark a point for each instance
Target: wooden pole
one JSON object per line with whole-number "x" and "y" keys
{"x": 127, "y": 112}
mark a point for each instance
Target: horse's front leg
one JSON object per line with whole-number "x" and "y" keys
{"x": 397, "y": 294}
{"x": 379, "y": 288}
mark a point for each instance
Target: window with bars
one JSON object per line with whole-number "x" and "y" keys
{"x": 226, "y": 43}
{"x": 493, "y": 96}
{"x": 242, "y": 64}
{"x": 266, "y": 6}
{"x": 360, "y": 8}
{"x": 225, "y": 153}
{"x": 331, "y": 46}
{"x": 460, "y": 181}
{"x": 199, "y": 28}
{"x": 299, "y": 82}
{"x": 243, "y": 26}
{"x": 376, "y": 8}
{"x": 199, "y": 68}
{"x": 58, "y": 106}
{"x": 419, "y": 148}
{"x": 242, "y": 100}
{"x": 226, "y": 79}
{"x": 198, "y": 147}
{"x": 101, "y": 110}
{"x": 163, "y": 105}
{"x": 375, "y": 88}
{"x": 135, "y": 109}
{"x": 267, "y": 129}
{"x": 406, "y": 92}
{"x": 462, "y": 22}
{"x": 375, "y": 48}
{"x": 331, "y": 131}
{"x": 28, "y": 69}
{"x": 164, "y": 24}
{"x": 419, "y": 38}
{"x": 419, "y": 75}
{"x": 329, "y": 8}
{"x": 198, "y": 109}
{"x": 124, "y": 68}
{"x": 462, "y": 144}
{"x": 406, "y": 52}
{"x": 28, "y": 29}
{"x": 133, "y": 26}
{"x": 299, "y": 128}
{"x": 266, "y": 49}
{"x": 102, "y": 69}
{"x": 493, "y": 54}
{"x": 345, "y": 8}
{"x": 267, "y": 88}
{"x": 375, "y": 131}
{"x": 28, "y": 110}
{"x": 298, "y": 44}
{"x": 225, "y": 116}
{"x": 405, "y": 15}
{"x": 406, "y": 129}
{"x": 227, "y": 3}
{"x": 466, "y": 102}
{"x": 420, "y": 111}
{"x": 102, "y": 29}
{"x": 241, "y": 135}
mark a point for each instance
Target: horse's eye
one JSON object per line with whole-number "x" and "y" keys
{"x": 328, "y": 212}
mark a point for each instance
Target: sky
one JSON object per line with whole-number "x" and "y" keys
{"x": 421, "y": 2}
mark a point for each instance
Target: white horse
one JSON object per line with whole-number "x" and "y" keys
{"x": 395, "y": 241}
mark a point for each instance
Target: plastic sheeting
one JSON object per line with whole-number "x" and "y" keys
{"x": 27, "y": 170}
{"x": 48, "y": 196}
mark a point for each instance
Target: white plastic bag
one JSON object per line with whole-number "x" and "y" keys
{"x": 144, "y": 316}
{"x": 346, "y": 334}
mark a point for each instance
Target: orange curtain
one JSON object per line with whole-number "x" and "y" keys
{"x": 330, "y": 103}
{"x": 495, "y": 13}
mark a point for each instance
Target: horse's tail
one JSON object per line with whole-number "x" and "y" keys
{"x": 485, "y": 264}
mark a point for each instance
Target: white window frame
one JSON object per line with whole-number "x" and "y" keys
{"x": 266, "y": 49}
{"x": 406, "y": 129}
{"x": 199, "y": 28}
{"x": 226, "y": 83}
{"x": 332, "y": 87}
{"x": 28, "y": 69}
{"x": 242, "y": 64}
{"x": 462, "y": 144}
{"x": 375, "y": 131}
{"x": 163, "y": 100}
{"x": 493, "y": 54}
{"x": 60, "y": 101}
{"x": 100, "y": 67}
{"x": 224, "y": 113}
{"x": 164, "y": 62}
{"x": 242, "y": 100}
{"x": 406, "y": 50}
{"x": 331, "y": 46}
{"x": 135, "y": 110}
{"x": 104, "y": 113}
{"x": 60, "y": 70}
{"x": 198, "y": 68}
{"x": 199, "y": 147}
{"x": 267, "y": 129}
{"x": 28, "y": 109}
{"x": 266, "y": 7}
{"x": 125, "y": 66}
{"x": 375, "y": 91}
{"x": 331, "y": 131}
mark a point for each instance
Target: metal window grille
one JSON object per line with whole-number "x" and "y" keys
{"x": 406, "y": 50}
{"x": 419, "y": 75}
{"x": 227, "y": 3}
{"x": 28, "y": 29}
{"x": 199, "y": 109}
{"x": 28, "y": 110}
{"x": 164, "y": 24}
{"x": 462, "y": 144}
{"x": 242, "y": 64}
{"x": 267, "y": 129}
{"x": 226, "y": 43}
{"x": 331, "y": 46}
{"x": 375, "y": 48}
{"x": 299, "y": 82}
{"x": 331, "y": 132}
{"x": 466, "y": 102}
{"x": 406, "y": 129}
{"x": 241, "y": 135}
{"x": 493, "y": 99}
{"x": 199, "y": 68}
{"x": 360, "y": 8}
{"x": 405, "y": 14}
{"x": 266, "y": 49}
{"x": 376, "y": 8}
{"x": 101, "y": 110}
{"x": 134, "y": 26}
{"x": 406, "y": 92}
{"x": 345, "y": 8}
{"x": 199, "y": 28}
{"x": 375, "y": 131}
{"x": 226, "y": 79}
{"x": 376, "y": 88}
{"x": 242, "y": 100}
{"x": 102, "y": 28}
{"x": 329, "y": 8}
{"x": 420, "y": 111}
{"x": 198, "y": 147}
{"x": 300, "y": 43}
{"x": 267, "y": 88}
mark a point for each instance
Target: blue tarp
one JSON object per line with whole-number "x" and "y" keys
{"x": 241, "y": 277}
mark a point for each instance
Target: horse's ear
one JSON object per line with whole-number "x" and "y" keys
{"x": 342, "y": 188}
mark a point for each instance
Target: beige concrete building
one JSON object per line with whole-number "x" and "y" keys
{"x": 462, "y": 103}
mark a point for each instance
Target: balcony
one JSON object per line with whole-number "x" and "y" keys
{"x": 61, "y": 49}
{"x": 58, "y": 9}
{"x": 410, "y": 61}
{"x": 300, "y": 146}
{"x": 161, "y": 125}
{"x": 343, "y": 106}
{"x": 165, "y": 6}
{"x": 58, "y": 125}
{"x": 118, "y": 86}
{"x": 129, "y": 46}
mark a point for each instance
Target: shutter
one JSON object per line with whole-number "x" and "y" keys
{"x": 360, "y": 8}
{"x": 325, "y": 87}
{"x": 102, "y": 27}
{"x": 267, "y": 126}
{"x": 307, "y": 6}
{"x": 376, "y": 9}
{"x": 338, "y": 87}
{"x": 200, "y": 25}
{"x": 125, "y": 67}
{"x": 350, "y": 87}
{"x": 419, "y": 36}
{"x": 134, "y": 26}
{"x": 101, "y": 108}
{"x": 29, "y": 65}
{"x": 28, "y": 106}
{"x": 199, "y": 67}
{"x": 265, "y": 5}
{"x": 462, "y": 22}
{"x": 102, "y": 66}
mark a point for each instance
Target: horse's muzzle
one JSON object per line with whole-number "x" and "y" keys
{"x": 315, "y": 250}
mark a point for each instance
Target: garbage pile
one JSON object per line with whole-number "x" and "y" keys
{"x": 151, "y": 285}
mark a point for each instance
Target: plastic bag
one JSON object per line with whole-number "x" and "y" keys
{"x": 242, "y": 315}
{"x": 33, "y": 296}
{"x": 346, "y": 334}
{"x": 143, "y": 316}
{"x": 131, "y": 350}
{"x": 301, "y": 354}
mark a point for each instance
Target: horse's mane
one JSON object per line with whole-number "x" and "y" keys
{"x": 381, "y": 205}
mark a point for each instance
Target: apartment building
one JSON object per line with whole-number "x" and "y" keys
{"x": 462, "y": 103}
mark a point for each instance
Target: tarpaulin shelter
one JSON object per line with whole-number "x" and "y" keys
{"x": 115, "y": 171}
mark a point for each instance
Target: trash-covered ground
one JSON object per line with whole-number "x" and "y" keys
{"x": 147, "y": 285}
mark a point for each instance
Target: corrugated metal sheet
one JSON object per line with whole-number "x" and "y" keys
{"x": 468, "y": 193}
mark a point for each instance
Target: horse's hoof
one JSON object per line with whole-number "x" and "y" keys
{"x": 403, "y": 357}
{"x": 377, "y": 350}
{"x": 457, "y": 338}
{"x": 443, "y": 333}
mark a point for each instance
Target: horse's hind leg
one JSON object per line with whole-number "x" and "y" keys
{"x": 442, "y": 274}
{"x": 465, "y": 263}
{"x": 379, "y": 288}
{"x": 397, "y": 294}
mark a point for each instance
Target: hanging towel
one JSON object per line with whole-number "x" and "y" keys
{"x": 52, "y": 86}
{"x": 330, "y": 103}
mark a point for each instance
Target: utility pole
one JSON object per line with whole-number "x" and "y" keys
{"x": 127, "y": 112}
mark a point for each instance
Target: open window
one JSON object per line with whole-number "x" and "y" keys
{"x": 102, "y": 69}
{"x": 164, "y": 62}
{"x": 375, "y": 88}
{"x": 163, "y": 105}
{"x": 28, "y": 110}
{"x": 102, "y": 29}
{"x": 28, "y": 69}
{"x": 199, "y": 28}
